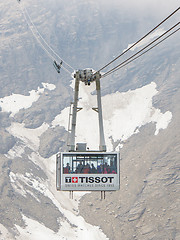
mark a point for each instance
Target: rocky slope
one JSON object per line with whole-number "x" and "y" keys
{"x": 146, "y": 207}
{"x": 87, "y": 34}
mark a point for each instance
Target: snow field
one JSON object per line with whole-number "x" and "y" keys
{"x": 124, "y": 113}
{"x": 148, "y": 39}
{"x": 16, "y": 102}
{"x": 68, "y": 207}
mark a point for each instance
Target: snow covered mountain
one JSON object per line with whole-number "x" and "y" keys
{"x": 141, "y": 116}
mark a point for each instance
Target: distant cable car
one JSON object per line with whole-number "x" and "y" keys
{"x": 80, "y": 169}
{"x": 57, "y": 66}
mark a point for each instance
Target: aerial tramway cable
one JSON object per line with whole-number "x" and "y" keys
{"x": 38, "y": 36}
{"x": 47, "y": 48}
{"x": 122, "y": 64}
{"x": 139, "y": 40}
{"x": 142, "y": 53}
{"x": 45, "y": 40}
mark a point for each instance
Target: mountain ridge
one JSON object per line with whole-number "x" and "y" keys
{"x": 86, "y": 34}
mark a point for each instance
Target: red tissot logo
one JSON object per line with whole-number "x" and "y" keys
{"x": 74, "y": 179}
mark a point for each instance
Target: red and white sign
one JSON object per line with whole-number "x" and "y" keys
{"x": 74, "y": 179}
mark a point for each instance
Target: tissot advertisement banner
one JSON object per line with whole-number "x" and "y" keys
{"x": 87, "y": 171}
{"x": 89, "y": 182}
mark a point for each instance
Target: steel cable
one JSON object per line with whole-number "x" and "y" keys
{"x": 140, "y": 39}
{"x": 38, "y": 40}
{"x": 122, "y": 63}
{"x": 143, "y": 52}
{"x": 45, "y": 41}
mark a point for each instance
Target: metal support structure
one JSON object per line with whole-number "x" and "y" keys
{"x": 68, "y": 164}
{"x": 87, "y": 77}
{"x": 103, "y": 195}
{"x": 102, "y": 145}
{"x": 71, "y": 194}
{"x": 74, "y": 116}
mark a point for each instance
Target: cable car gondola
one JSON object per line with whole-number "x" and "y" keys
{"x": 88, "y": 171}
{"x": 81, "y": 169}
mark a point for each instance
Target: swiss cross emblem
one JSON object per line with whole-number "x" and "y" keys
{"x": 74, "y": 179}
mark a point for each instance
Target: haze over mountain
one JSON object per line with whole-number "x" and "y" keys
{"x": 141, "y": 115}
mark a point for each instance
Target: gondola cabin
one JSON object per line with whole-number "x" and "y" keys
{"x": 87, "y": 171}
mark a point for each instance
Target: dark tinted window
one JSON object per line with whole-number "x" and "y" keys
{"x": 90, "y": 163}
